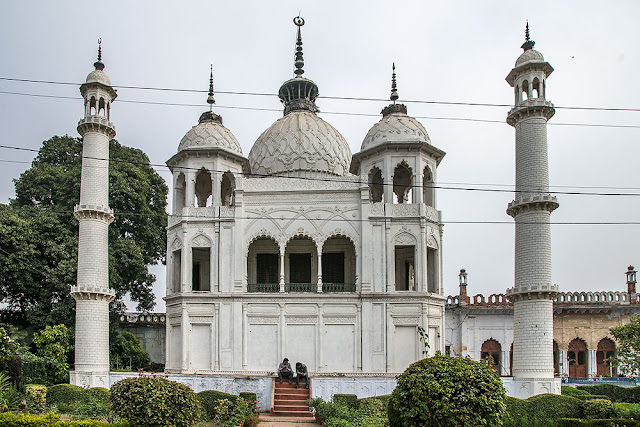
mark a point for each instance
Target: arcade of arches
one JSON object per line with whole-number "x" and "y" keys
{"x": 581, "y": 361}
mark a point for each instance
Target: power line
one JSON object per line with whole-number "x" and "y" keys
{"x": 345, "y": 180}
{"x": 340, "y": 113}
{"x": 342, "y": 98}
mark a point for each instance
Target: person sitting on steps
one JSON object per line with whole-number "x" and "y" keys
{"x": 284, "y": 370}
{"x": 301, "y": 371}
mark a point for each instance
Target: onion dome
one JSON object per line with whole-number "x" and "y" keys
{"x": 97, "y": 75}
{"x": 300, "y": 141}
{"x": 209, "y": 133}
{"x": 529, "y": 54}
{"x": 395, "y": 126}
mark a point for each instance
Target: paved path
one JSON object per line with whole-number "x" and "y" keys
{"x": 269, "y": 420}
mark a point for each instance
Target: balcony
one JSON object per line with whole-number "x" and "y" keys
{"x": 263, "y": 287}
{"x": 338, "y": 287}
{"x": 301, "y": 287}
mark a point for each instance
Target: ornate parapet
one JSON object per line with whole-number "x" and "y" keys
{"x": 96, "y": 124}
{"x": 531, "y": 107}
{"x": 479, "y": 300}
{"x": 404, "y": 210}
{"x": 144, "y": 318}
{"x": 96, "y": 293}
{"x": 592, "y": 298}
{"x": 529, "y": 202}
{"x": 88, "y": 211}
{"x": 532, "y": 291}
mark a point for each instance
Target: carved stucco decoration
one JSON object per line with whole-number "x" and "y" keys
{"x": 300, "y": 141}
{"x": 406, "y": 239}
{"x": 280, "y": 184}
{"x": 432, "y": 242}
{"x": 201, "y": 241}
{"x": 396, "y": 127}
{"x": 176, "y": 244}
{"x": 210, "y": 134}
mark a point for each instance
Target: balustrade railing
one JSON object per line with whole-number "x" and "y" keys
{"x": 263, "y": 287}
{"x": 338, "y": 287}
{"x": 300, "y": 287}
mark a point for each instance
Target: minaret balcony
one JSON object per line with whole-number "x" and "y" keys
{"x": 533, "y": 291}
{"x": 88, "y": 211}
{"x": 92, "y": 293}
{"x": 529, "y": 202}
{"x": 531, "y": 107}
{"x": 96, "y": 124}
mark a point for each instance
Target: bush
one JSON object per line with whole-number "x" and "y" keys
{"x": 350, "y": 400}
{"x": 593, "y": 396}
{"x": 384, "y": 399}
{"x": 154, "y": 401}
{"x": 48, "y": 420}
{"x": 100, "y": 394}
{"x": 612, "y": 422}
{"x": 447, "y": 391}
{"x": 52, "y": 342}
{"x": 126, "y": 351}
{"x": 64, "y": 393}
{"x": 209, "y": 400}
{"x": 541, "y": 410}
{"x": 36, "y": 397}
{"x": 574, "y": 392}
{"x": 627, "y": 410}
{"x": 41, "y": 370}
{"x": 597, "y": 409}
{"x": 615, "y": 392}
{"x": 252, "y": 401}
{"x": 371, "y": 413}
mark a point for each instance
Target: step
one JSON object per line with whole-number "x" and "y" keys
{"x": 293, "y": 413}
{"x": 289, "y": 419}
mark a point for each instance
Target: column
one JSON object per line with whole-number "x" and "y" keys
{"x": 281, "y": 269}
{"x": 319, "y": 270}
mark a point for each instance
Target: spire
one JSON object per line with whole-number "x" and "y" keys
{"x": 98, "y": 64}
{"x": 394, "y": 108}
{"x": 299, "y": 62}
{"x": 210, "y": 99}
{"x": 394, "y": 89}
{"x": 528, "y": 43}
{"x": 298, "y": 93}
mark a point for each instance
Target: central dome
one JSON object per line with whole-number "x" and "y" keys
{"x": 395, "y": 127}
{"x": 300, "y": 141}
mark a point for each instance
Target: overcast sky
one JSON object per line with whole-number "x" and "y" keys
{"x": 456, "y": 51}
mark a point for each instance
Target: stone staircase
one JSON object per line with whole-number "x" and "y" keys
{"x": 290, "y": 401}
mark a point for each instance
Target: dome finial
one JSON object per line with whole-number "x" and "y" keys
{"x": 210, "y": 99}
{"x": 98, "y": 64}
{"x": 528, "y": 43}
{"x": 394, "y": 88}
{"x": 299, "y": 62}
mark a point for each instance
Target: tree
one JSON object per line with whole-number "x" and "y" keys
{"x": 627, "y": 337}
{"x": 126, "y": 351}
{"x": 445, "y": 391}
{"x": 53, "y": 343}
{"x": 50, "y": 189}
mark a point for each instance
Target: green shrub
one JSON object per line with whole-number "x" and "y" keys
{"x": 371, "y": 413}
{"x": 627, "y": 410}
{"x": 597, "y": 409}
{"x": 100, "y": 394}
{"x": 90, "y": 409}
{"x": 154, "y": 401}
{"x": 384, "y": 399}
{"x": 209, "y": 400}
{"x": 350, "y": 400}
{"x": 52, "y": 342}
{"x": 252, "y": 401}
{"x": 48, "y": 420}
{"x": 230, "y": 414}
{"x": 541, "y": 410}
{"x": 615, "y": 392}
{"x": 574, "y": 392}
{"x": 41, "y": 370}
{"x": 447, "y": 391}
{"x": 126, "y": 351}
{"x": 593, "y": 396}
{"x": 36, "y": 397}
{"x": 64, "y": 393}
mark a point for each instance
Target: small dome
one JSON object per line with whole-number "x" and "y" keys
{"x": 529, "y": 55}
{"x": 210, "y": 133}
{"x": 98, "y": 76}
{"x": 300, "y": 141}
{"x": 395, "y": 127}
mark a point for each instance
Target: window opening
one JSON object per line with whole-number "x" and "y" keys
{"x": 227, "y": 188}
{"x": 376, "y": 187}
{"x": 201, "y": 266}
{"x": 333, "y": 267}
{"x": 203, "y": 189}
{"x": 177, "y": 270}
{"x": 300, "y": 268}
{"x": 402, "y": 181}
{"x": 404, "y": 267}
{"x": 432, "y": 270}
{"x": 267, "y": 266}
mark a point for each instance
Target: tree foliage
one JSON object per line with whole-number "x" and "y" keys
{"x": 447, "y": 391}
{"x": 627, "y": 337}
{"x": 38, "y": 234}
{"x": 126, "y": 349}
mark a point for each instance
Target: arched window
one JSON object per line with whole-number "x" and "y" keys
{"x": 203, "y": 188}
{"x": 535, "y": 93}
{"x": 577, "y": 358}
{"x": 92, "y": 106}
{"x": 179, "y": 194}
{"x": 492, "y": 348}
{"x": 402, "y": 181}
{"x": 525, "y": 90}
{"x": 604, "y": 353}
{"x": 556, "y": 369}
{"x": 376, "y": 187}
{"x": 227, "y": 188}
{"x": 427, "y": 187}
{"x": 101, "y": 107}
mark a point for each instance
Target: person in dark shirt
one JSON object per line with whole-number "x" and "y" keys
{"x": 301, "y": 371}
{"x": 284, "y": 370}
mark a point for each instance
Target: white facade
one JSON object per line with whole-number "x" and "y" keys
{"x": 302, "y": 250}
{"x": 92, "y": 292}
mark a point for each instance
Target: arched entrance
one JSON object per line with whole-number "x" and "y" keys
{"x": 605, "y": 351}
{"x": 577, "y": 358}
{"x": 492, "y": 348}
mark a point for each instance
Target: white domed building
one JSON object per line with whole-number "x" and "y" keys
{"x": 303, "y": 250}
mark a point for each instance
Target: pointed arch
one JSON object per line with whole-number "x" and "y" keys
{"x": 605, "y": 352}
{"x": 577, "y": 358}
{"x": 376, "y": 185}
{"x": 203, "y": 188}
{"x": 492, "y": 348}
{"x": 403, "y": 182}
{"x": 179, "y": 193}
{"x": 227, "y": 188}
{"x": 428, "y": 189}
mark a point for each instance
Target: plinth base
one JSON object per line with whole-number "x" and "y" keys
{"x": 523, "y": 388}
{"x": 89, "y": 379}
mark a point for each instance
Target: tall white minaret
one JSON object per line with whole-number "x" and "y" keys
{"x": 533, "y": 290}
{"x": 92, "y": 292}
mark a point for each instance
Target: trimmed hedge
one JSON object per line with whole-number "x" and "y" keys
{"x": 614, "y": 392}
{"x": 541, "y": 410}
{"x": 597, "y": 409}
{"x": 612, "y": 422}
{"x": 209, "y": 400}
{"x": 627, "y": 410}
{"x": 384, "y": 399}
{"x": 100, "y": 394}
{"x": 574, "y": 392}
{"x": 9, "y": 419}
{"x": 64, "y": 393}
{"x": 349, "y": 400}
{"x": 593, "y": 396}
